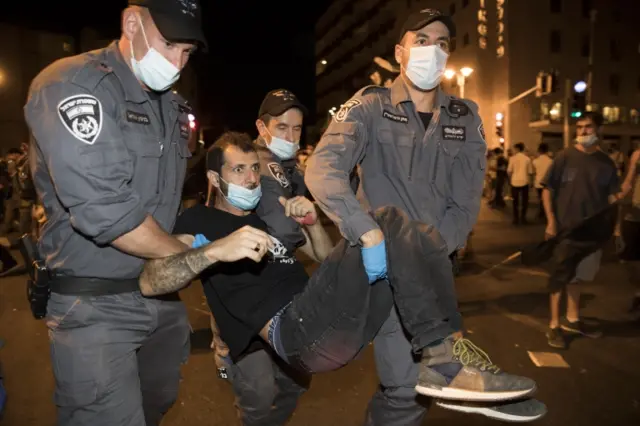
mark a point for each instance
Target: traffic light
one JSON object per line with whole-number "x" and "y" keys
{"x": 546, "y": 83}
{"x": 552, "y": 82}
{"x": 579, "y": 101}
{"x": 192, "y": 122}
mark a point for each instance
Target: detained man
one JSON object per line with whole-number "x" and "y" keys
{"x": 321, "y": 323}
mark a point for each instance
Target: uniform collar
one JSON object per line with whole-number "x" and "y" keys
{"x": 132, "y": 88}
{"x": 400, "y": 94}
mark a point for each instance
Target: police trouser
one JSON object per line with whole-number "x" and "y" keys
{"x": 116, "y": 358}
{"x": 266, "y": 388}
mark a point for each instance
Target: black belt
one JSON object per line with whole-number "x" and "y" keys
{"x": 87, "y": 286}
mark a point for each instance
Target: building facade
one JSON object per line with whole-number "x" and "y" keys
{"x": 20, "y": 61}
{"x": 506, "y": 43}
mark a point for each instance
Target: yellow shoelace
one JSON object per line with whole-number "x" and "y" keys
{"x": 469, "y": 354}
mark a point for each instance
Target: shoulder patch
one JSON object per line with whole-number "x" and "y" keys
{"x": 278, "y": 174}
{"x": 481, "y": 131}
{"x": 344, "y": 111}
{"x": 82, "y": 117}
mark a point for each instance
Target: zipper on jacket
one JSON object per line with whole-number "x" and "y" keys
{"x": 435, "y": 164}
{"x": 413, "y": 153}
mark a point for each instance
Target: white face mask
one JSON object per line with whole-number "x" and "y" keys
{"x": 283, "y": 149}
{"x": 426, "y": 66}
{"x": 154, "y": 69}
{"x": 587, "y": 140}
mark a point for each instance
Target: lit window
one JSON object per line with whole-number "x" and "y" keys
{"x": 611, "y": 114}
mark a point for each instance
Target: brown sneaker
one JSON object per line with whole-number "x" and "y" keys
{"x": 459, "y": 370}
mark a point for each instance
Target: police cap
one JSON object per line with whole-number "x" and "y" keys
{"x": 279, "y": 101}
{"x": 424, "y": 17}
{"x": 177, "y": 20}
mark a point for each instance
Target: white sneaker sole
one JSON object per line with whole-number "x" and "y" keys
{"x": 488, "y": 412}
{"x": 473, "y": 396}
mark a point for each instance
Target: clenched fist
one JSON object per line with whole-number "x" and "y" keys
{"x": 300, "y": 209}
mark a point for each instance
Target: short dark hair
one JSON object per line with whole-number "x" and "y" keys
{"x": 266, "y": 118}
{"x": 543, "y": 148}
{"x": 519, "y": 146}
{"x": 595, "y": 117}
{"x": 215, "y": 154}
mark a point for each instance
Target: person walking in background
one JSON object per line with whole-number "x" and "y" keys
{"x": 520, "y": 170}
{"x": 541, "y": 166}
{"x": 628, "y": 234}
{"x": 501, "y": 178}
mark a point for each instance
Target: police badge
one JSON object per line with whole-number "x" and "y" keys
{"x": 82, "y": 117}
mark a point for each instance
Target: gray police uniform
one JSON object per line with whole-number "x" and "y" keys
{"x": 434, "y": 174}
{"x": 103, "y": 160}
{"x": 279, "y": 179}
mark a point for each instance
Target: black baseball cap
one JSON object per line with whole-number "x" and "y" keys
{"x": 177, "y": 20}
{"x": 424, "y": 17}
{"x": 279, "y": 101}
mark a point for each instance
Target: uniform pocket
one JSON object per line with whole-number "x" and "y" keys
{"x": 65, "y": 312}
{"x": 396, "y": 152}
{"x": 146, "y": 177}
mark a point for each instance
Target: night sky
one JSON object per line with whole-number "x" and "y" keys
{"x": 253, "y": 47}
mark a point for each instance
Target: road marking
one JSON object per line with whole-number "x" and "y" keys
{"x": 548, "y": 359}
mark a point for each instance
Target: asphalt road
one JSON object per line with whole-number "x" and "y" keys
{"x": 505, "y": 313}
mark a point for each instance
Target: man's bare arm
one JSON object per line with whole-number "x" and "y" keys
{"x": 319, "y": 245}
{"x": 149, "y": 241}
{"x": 173, "y": 273}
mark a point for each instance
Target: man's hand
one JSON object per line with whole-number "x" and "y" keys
{"x": 551, "y": 230}
{"x": 246, "y": 242}
{"x": 217, "y": 344}
{"x": 300, "y": 209}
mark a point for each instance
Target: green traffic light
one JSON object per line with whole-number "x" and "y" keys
{"x": 576, "y": 114}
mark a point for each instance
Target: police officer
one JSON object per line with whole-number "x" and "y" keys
{"x": 108, "y": 156}
{"x": 279, "y": 124}
{"x": 419, "y": 149}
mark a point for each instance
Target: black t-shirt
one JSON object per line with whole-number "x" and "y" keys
{"x": 242, "y": 295}
{"x": 426, "y": 118}
{"x": 581, "y": 184}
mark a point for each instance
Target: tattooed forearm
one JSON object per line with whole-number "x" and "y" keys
{"x": 172, "y": 273}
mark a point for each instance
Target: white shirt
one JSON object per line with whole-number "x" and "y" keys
{"x": 519, "y": 169}
{"x": 541, "y": 166}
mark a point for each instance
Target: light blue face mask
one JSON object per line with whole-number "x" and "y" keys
{"x": 241, "y": 197}
{"x": 283, "y": 149}
{"x": 154, "y": 70}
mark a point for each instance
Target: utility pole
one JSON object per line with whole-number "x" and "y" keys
{"x": 592, "y": 44}
{"x": 566, "y": 137}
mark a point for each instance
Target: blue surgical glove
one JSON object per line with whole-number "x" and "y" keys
{"x": 375, "y": 262}
{"x": 200, "y": 241}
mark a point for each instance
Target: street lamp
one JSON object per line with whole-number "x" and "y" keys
{"x": 462, "y": 76}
